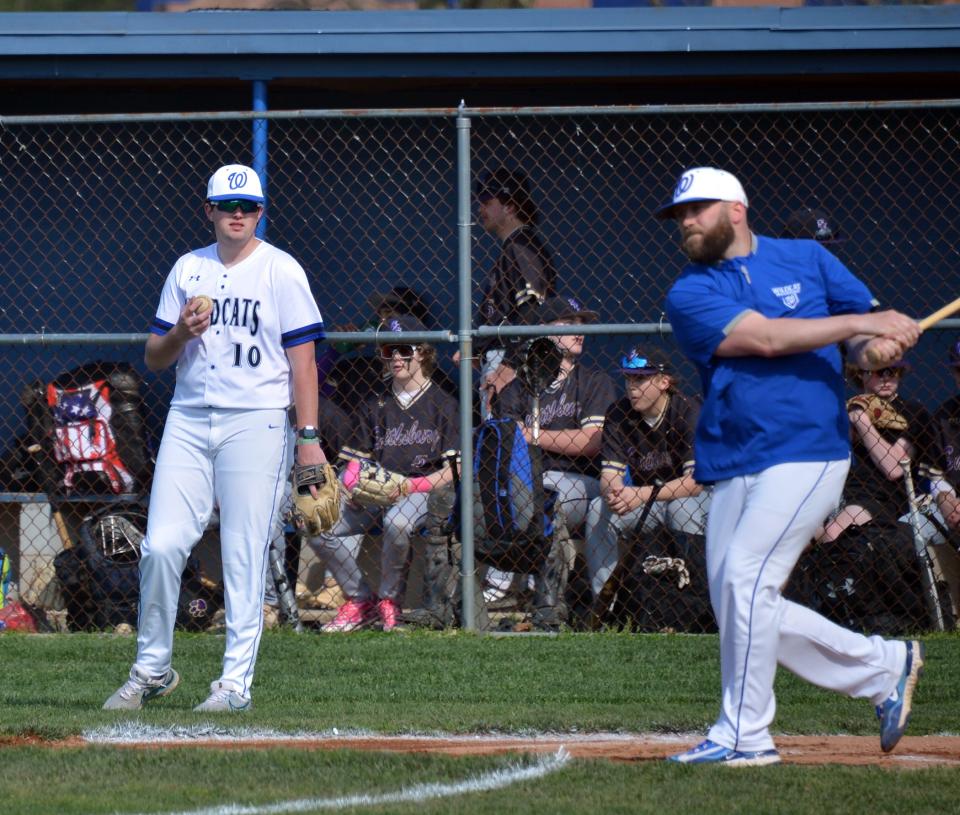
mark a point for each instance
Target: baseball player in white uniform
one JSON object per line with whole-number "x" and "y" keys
{"x": 761, "y": 318}
{"x": 240, "y": 362}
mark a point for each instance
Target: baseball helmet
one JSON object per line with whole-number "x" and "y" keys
{"x": 812, "y": 224}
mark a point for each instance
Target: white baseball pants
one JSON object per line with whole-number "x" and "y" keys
{"x": 757, "y": 528}
{"x": 237, "y": 460}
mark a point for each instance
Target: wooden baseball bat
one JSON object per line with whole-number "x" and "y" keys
{"x": 940, "y": 314}
{"x": 62, "y": 531}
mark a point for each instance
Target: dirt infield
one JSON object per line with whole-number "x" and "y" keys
{"x": 913, "y": 751}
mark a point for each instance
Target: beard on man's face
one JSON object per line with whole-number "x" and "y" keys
{"x": 708, "y": 247}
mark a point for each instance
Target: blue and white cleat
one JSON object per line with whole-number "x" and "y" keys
{"x": 709, "y": 752}
{"x": 894, "y": 713}
{"x": 223, "y": 699}
{"x": 140, "y": 688}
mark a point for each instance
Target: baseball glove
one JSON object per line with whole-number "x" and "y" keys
{"x": 665, "y": 565}
{"x": 379, "y": 487}
{"x": 318, "y": 514}
{"x": 881, "y": 412}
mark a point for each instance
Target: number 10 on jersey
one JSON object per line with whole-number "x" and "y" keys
{"x": 252, "y": 355}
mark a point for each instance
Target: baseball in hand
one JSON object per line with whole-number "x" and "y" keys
{"x": 201, "y": 304}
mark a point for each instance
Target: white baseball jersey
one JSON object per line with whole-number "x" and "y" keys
{"x": 261, "y": 306}
{"x": 224, "y": 444}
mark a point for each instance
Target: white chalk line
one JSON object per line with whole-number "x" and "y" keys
{"x": 136, "y": 733}
{"x": 936, "y": 761}
{"x": 485, "y": 782}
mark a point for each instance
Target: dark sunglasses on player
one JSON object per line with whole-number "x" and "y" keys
{"x": 641, "y": 365}
{"x": 888, "y": 373}
{"x": 405, "y": 351}
{"x": 246, "y": 207}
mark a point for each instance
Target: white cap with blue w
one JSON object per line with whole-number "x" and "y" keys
{"x": 704, "y": 184}
{"x": 235, "y": 182}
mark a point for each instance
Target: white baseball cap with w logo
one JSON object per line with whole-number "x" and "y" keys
{"x": 704, "y": 184}
{"x": 235, "y": 182}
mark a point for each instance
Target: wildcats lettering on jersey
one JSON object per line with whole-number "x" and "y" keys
{"x": 789, "y": 295}
{"x": 233, "y": 311}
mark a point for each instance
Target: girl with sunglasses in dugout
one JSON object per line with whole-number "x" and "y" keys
{"x": 410, "y": 428}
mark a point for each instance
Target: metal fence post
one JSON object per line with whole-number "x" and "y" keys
{"x": 260, "y": 145}
{"x": 464, "y": 316}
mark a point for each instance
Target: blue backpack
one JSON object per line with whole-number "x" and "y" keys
{"x": 511, "y": 510}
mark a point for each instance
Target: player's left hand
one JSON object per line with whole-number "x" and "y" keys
{"x": 615, "y": 500}
{"x": 892, "y": 333}
{"x": 308, "y": 454}
{"x": 949, "y": 506}
{"x": 622, "y": 500}
{"x": 883, "y": 351}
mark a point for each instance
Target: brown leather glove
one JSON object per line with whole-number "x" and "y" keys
{"x": 318, "y": 514}
{"x": 882, "y": 414}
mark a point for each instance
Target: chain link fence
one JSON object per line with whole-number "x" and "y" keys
{"x": 98, "y": 209}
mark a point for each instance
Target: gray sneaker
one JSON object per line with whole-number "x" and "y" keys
{"x": 140, "y": 688}
{"x": 223, "y": 700}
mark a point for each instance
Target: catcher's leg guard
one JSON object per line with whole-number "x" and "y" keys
{"x": 548, "y": 586}
{"x": 439, "y": 589}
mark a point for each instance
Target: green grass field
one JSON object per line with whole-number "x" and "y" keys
{"x": 52, "y": 687}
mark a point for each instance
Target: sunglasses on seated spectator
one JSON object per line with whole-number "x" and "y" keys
{"x": 887, "y": 373}
{"x": 641, "y": 365}
{"x": 405, "y": 351}
{"x": 246, "y": 207}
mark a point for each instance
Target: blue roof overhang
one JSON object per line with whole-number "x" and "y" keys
{"x": 637, "y": 42}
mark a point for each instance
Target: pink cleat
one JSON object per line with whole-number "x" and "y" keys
{"x": 352, "y": 615}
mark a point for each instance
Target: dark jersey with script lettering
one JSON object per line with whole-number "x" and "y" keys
{"x": 418, "y": 439}
{"x": 640, "y": 452}
{"x": 868, "y": 486}
{"x": 579, "y": 400}
{"x": 945, "y": 455}
{"x": 519, "y": 281}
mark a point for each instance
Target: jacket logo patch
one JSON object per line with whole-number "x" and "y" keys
{"x": 789, "y": 295}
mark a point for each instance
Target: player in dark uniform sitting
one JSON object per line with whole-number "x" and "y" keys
{"x": 647, "y": 435}
{"x": 571, "y": 414}
{"x": 945, "y": 470}
{"x": 412, "y": 429}
{"x": 874, "y": 491}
